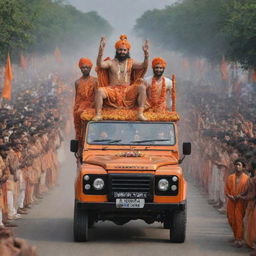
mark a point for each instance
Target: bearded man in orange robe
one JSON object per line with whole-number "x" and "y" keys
{"x": 120, "y": 79}
{"x": 85, "y": 93}
{"x": 236, "y": 185}
{"x": 158, "y": 86}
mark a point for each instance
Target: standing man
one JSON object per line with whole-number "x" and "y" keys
{"x": 158, "y": 86}
{"x": 249, "y": 196}
{"x": 120, "y": 79}
{"x": 235, "y": 185}
{"x": 3, "y": 179}
{"x": 85, "y": 88}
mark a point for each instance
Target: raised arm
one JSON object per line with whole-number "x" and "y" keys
{"x": 100, "y": 62}
{"x": 144, "y": 64}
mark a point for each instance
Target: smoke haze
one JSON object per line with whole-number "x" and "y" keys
{"x": 122, "y": 15}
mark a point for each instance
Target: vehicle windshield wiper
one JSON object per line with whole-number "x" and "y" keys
{"x": 107, "y": 140}
{"x": 115, "y": 141}
{"x": 143, "y": 141}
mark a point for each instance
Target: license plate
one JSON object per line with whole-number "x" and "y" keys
{"x": 137, "y": 195}
{"x": 130, "y": 203}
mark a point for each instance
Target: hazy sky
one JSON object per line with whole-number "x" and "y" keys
{"x": 121, "y": 14}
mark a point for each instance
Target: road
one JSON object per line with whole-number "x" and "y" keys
{"x": 48, "y": 226}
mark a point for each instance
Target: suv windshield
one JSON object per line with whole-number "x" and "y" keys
{"x": 131, "y": 133}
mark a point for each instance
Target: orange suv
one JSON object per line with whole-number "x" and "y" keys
{"x": 129, "y": 170}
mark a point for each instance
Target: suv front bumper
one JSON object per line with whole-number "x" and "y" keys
{"x": 111, "y": 207}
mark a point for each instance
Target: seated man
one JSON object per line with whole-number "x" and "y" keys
{"x": 85, "y": 90}
{"x": 158, "y": 86}
{"x": 120, "y": 79}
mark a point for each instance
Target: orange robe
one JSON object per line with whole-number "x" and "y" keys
{"x": 250, "y": 214}
{"x": 85, "y": 91}
{"x": 121, "y": 95}
{"x": 236, "y": 209}
{"x": 157, "y": 95}
{"x": 2, "y": 167}
{"x": 49, "y": 174}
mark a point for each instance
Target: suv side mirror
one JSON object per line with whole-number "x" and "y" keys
{"x": 186, "y": 148}
{"x": 74, "y": 146}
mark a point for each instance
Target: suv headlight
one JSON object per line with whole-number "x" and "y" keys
{"x": 163, "y": 185}
{"x": 167, "y": 185}
{"x": 98, "y": 184}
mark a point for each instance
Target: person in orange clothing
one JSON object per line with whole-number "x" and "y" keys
{"x": 250, "y": 215}
{"x": 235, "y": 185}
{"x": 159, "y": 86}
{"x": 85, "y": 92}
{"x": 3, "y": 179}
{"x": 120, "y": 79}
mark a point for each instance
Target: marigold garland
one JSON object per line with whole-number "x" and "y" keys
{"x": 130, "y": 154}
{"x": 155, "y": 100}
{"x": 86, "y": 88}
{"x": 130, "y": 114}
{"x": 173, "y": 94}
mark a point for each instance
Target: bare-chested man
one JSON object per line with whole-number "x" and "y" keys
{"x": 123, "y": 87}
{"x": 158, "y": 86}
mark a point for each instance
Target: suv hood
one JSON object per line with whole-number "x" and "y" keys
{"x": 111, "y": 162}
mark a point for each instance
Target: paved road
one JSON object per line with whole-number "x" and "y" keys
{"x": 49, "y": 227}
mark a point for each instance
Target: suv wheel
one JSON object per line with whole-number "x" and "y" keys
{"x": 167, "y": 223}
{"x": 91, "y": 220}
{"x": 80, "y": 224}
{"x": 178, "y": 226}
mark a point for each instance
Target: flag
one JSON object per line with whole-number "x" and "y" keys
{"x": 7, "y": 90}
{"x": 224, "y": 69}
{"x": 57, "y": 55}
{"x": 23, "y": 61}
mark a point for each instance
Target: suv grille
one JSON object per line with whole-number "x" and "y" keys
{"x": 131, "y": 186}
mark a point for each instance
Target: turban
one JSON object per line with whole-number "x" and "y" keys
{"x": 158, "y": 60}
{"x": 85, "y": 62}
{"x": 123, "y": 42}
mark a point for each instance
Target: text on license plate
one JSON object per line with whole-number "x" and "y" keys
{"x": 129, "y": 203}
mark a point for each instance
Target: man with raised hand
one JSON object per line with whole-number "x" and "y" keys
{"x": 120, "y": 79}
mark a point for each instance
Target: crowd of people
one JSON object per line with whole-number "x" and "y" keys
{"x": 222, "y": 130}
{"x": 220, "y": 126}
{"x": 32, "y": 128}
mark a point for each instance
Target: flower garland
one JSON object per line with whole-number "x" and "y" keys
{"x": 130, "y": 114}
{"x": 155, "y": 100}
{"x": 130, "y": 154}
{"x": 86, "y": 87}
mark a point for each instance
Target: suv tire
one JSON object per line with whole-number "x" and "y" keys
{"x": 80, "y": 224}
{"x": 178, "y": 226}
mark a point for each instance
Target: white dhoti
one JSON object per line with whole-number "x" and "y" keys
{"x": 10, "y": 202}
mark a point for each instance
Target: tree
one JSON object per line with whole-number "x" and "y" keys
{"x": 205, "y": 28}
{"x": 241, "y": 28}
{"x": 15, "y": 28}
{"x": 41, "y": 25}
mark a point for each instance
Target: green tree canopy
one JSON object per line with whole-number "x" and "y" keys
{"x": 41, "y": 25}
{"x": 205, "y": 28}
{"x": 241, "y": 28}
